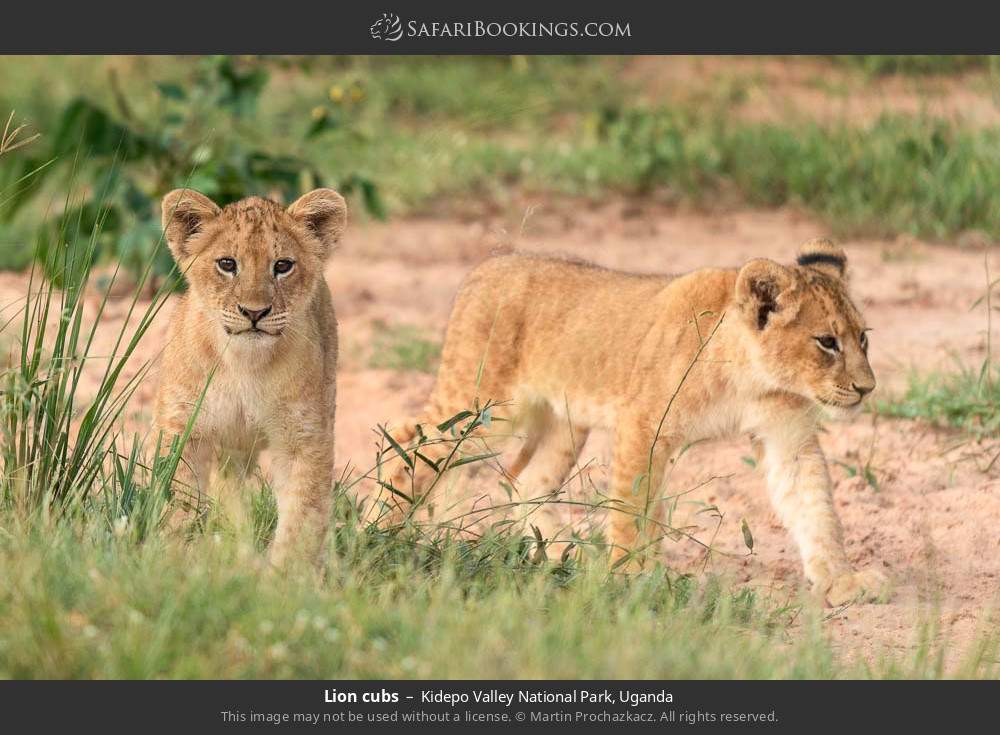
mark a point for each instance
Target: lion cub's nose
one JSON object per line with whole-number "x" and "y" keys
{"x": 863, "y": 390}
{"x": 255, "y": 315}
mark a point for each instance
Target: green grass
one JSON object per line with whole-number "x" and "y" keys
{"x": 81, "y": 600}
{"x": 81, "y": 603}
{"x": 403, "y": 347}
{"x": 967, "y": 399}
{"x": 916, "y": 64}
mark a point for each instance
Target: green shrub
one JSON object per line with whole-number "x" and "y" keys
{"x": 123, "y": 162}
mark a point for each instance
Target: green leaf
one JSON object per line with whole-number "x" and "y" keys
{"x": 747, "y": 536}
{"x": 637, "y": 483}
{"x": 427, "y": 460}
{"x": 392, "y": 489}
{"x": 397, "y": 448}
{"x": 92, "y": 129}
{"x": 870, "y": 477}
{"x": 507, "y": 488}
{"x": 475, "y": 458}
{"x": 370, "y": 195}
{"x": 171, "y": 91}
{"x": 322, "y": 124}
{"x": 461, "y": 416}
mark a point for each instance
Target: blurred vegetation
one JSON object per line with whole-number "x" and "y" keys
{"x": 407, "y": 135}
{"x": 917, "y": 175}
{"x": 403, "y": 347}
{"x": 116, "y": 163}
{"x": 915, "y": 64}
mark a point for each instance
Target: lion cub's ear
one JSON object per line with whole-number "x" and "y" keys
{"x": 766, "y": 293}
{"x": 184, "y": 213}
{"x": 324, "y": 213}
{"x": 823, "y": 255}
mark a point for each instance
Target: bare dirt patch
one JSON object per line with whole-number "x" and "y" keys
{"x": 930, "y": 519}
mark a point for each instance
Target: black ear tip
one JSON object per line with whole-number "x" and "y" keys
{"x": 838, "y": 261}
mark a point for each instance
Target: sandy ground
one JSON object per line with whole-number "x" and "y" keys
{"x": 931, "y": 523}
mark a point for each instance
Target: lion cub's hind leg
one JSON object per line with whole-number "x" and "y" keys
{"x": 640, "y": 460}
{"x": 427, "y": 449}
{"x": 478, "y": 365}
{"x": 549, "y": 453}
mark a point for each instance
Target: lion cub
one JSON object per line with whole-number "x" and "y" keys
{"x": 257, "y": 327}
{"x": 661, "y": 362}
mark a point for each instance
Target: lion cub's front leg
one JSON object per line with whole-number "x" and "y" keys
{"x": 640, "y": 457}
{"x": 800, "y": 489}
{"x": 303, "y": 486}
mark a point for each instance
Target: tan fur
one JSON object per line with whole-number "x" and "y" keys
{"x": 270, "y": 388}
{"x": 573, "y": 347}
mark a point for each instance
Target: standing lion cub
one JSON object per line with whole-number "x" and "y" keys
{"x": 662, "y": 362}
{"x": 257, "y": 327}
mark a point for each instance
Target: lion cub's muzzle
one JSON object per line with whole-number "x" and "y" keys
{"x": 842, "y": 404}
{"x": 255, "y": 322}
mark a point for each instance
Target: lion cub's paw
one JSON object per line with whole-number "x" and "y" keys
{"x": 867, "y": 585}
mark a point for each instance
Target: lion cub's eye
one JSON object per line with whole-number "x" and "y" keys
{"x": 828, "y": 342}
{"x": 864, "y": 342}
{"x": 283, "y": 266}
{"x": 226, "y": 265}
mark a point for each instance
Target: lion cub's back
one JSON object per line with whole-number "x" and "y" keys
{"x": 549, "y": 323}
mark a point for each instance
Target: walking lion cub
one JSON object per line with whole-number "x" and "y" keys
{"x": 257, "y": 327}
{"x": 662, "y": 361}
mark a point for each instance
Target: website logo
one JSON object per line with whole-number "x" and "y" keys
{"x": 387, "y": 28}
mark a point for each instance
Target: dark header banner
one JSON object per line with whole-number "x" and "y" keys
{"x": 515, "y": 26}
{"x": 526, "y": 706}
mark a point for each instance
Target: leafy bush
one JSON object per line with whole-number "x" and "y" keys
{"x": 125, "y": 161}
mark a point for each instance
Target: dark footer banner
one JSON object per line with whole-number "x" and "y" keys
{"x": 127, "y": 706}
